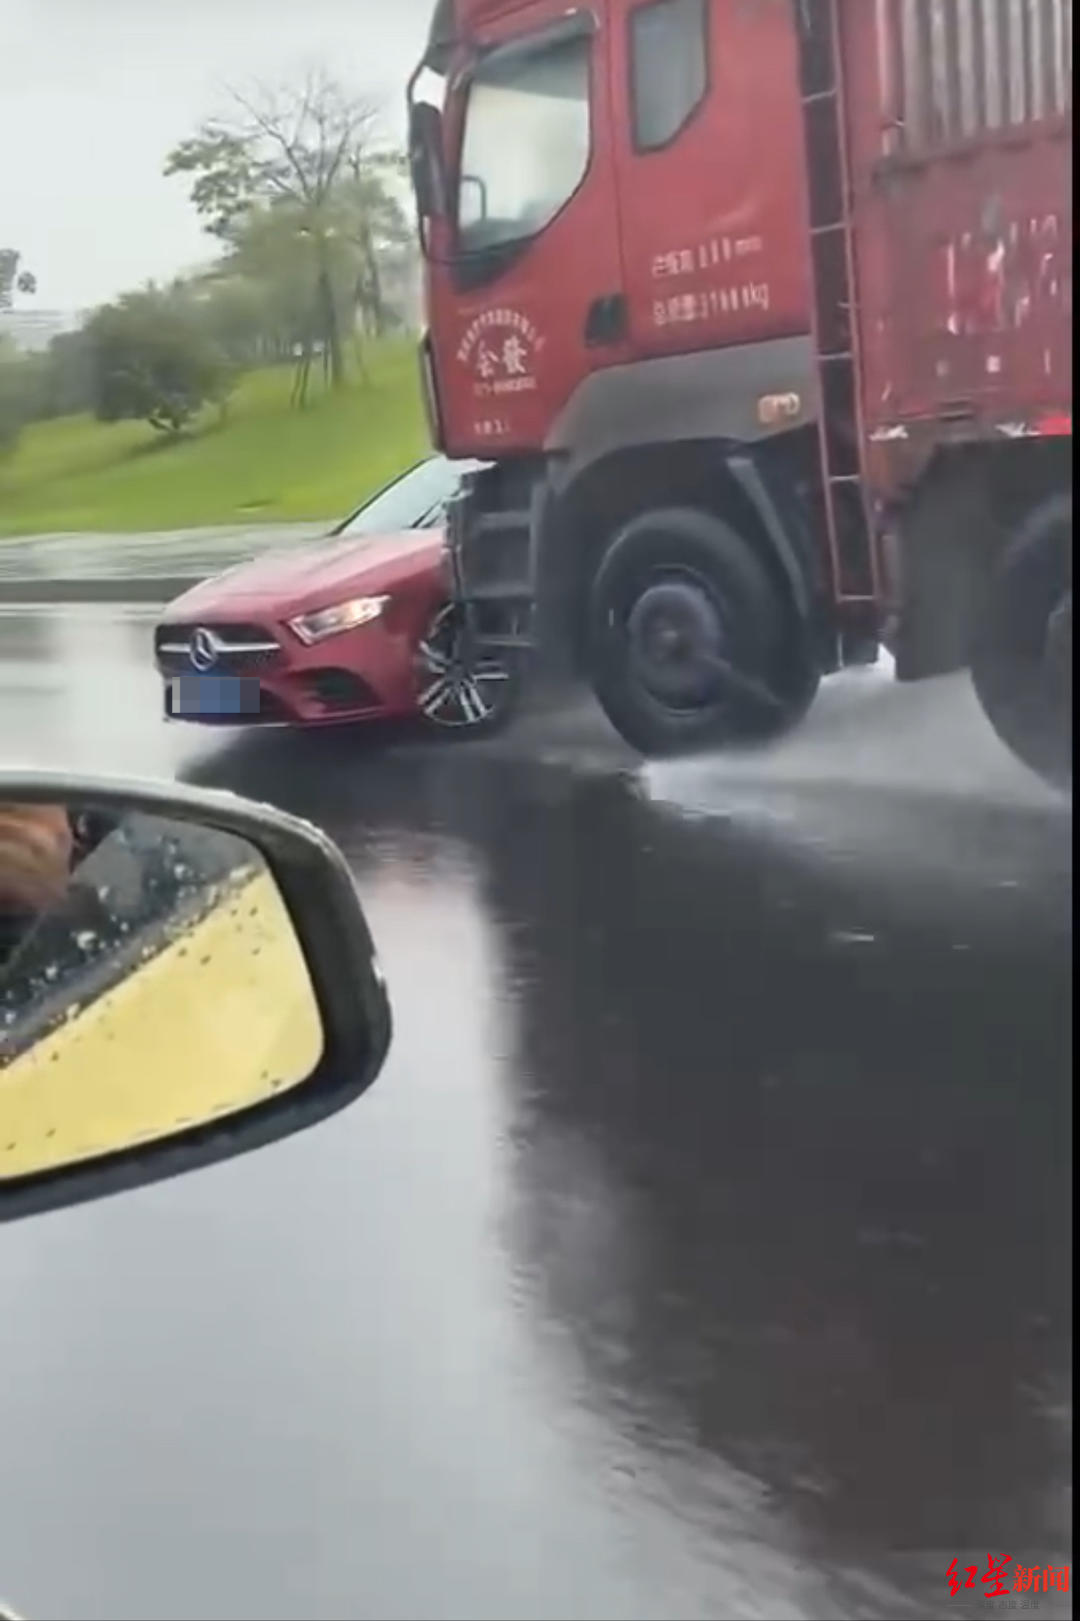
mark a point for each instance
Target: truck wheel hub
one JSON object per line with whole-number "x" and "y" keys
{"x": 675, "y": 638}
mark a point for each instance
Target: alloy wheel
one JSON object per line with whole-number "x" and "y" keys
{"x": 459, "y": 687}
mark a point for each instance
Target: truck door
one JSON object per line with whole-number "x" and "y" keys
{"x": 708, "y": 155}
{"x": 536, "y": 248}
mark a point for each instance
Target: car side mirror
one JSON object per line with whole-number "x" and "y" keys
{"x": 184, "y": 976}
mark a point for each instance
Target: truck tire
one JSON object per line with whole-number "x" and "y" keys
{"x": 691, "y": 644}
{"x": 1022, "y": 655}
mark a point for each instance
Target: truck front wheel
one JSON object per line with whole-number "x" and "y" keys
{"x": 691, "y": 644}
{"x": 1022, "y": 659}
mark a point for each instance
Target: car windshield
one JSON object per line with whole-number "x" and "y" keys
{"x": 414, "y": 501}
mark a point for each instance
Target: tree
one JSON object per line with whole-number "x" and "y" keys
{"x": 20, "y": 387}
{"x": 19, "y": 374}
{"x": 297, "y": 274}
{"x": 153, "y": 359}
{"x": 12, "y": 280}
{"x": 375, "y": 221}
{"x": 17, "y": 379}
{"x": 273, "y": 249}
{"x": 296, "y": 187}
{"x": 67, "y": 384}
{"x": 237, "y": 312}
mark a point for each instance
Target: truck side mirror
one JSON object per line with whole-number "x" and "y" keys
{"x": 425, "y": 160}
{"x": 184, "y": 976}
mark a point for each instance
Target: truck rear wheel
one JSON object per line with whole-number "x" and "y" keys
{"x": 1022, "y": 659}
{"x": 691, "y": 644}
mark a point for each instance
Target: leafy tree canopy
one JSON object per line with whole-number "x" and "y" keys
{"x": 153, "y": 359}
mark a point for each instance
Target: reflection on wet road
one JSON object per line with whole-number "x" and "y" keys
{"x": 702, "y": 1251}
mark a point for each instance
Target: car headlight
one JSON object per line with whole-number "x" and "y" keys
{"x": 322, "y": 622}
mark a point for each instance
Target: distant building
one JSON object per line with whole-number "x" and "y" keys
{"x": 33, "y": 330}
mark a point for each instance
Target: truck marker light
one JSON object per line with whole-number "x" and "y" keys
{"x": 773, "y": 408}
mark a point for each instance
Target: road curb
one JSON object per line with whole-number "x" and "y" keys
{"x": 135, "y": 589}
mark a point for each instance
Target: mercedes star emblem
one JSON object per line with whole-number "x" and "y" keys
{"x": 204, "y": 648}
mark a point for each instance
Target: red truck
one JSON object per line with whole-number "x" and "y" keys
{"x": 760, "y": 313}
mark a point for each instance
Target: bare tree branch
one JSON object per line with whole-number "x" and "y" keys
{"x": 295, "y": 184}
{"x": 269, "y": 124}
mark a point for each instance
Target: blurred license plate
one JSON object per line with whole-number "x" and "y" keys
{"x": 213, "y": 695}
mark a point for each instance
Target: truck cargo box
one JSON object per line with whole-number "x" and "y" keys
{"x": 959, "y": 153}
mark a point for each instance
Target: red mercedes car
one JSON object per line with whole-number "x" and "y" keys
{"x": 350, "y": 628}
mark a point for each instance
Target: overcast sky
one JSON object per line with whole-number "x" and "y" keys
{"x": 93, "y": 93}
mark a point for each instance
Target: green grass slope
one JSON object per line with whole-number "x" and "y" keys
{"x": 264, "y": 462}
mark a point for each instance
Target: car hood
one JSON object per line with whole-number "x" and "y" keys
{"x": 313, "y": 576}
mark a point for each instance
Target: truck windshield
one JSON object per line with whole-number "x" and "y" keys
{"x": 525, "y": 147}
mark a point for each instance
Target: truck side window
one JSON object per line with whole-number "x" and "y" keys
{"x": 526, "y": 143}
{"x": 668, "y": 68}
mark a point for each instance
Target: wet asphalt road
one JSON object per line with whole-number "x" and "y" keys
{"x": 702, "y": 1251}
